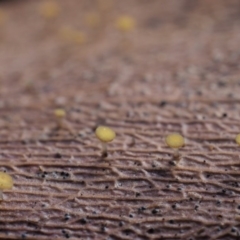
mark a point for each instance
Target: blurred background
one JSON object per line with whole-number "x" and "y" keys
{"x": 158, "y": 49}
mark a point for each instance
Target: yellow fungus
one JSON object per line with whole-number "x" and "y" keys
{"x": 125, "y": 23}
{"x": 105, "y": 135}
{"x": 50, "y": 9}
{"x": 175, "y": 140}
{"x": 6, "y": 182}
{"x": 238, "y": 139}
{"x": 59, "y": 113}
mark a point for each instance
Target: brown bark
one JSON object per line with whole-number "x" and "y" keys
{"x": 181, "y": 74}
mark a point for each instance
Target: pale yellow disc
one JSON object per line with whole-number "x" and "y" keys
{"x": 105, "y": 134}
{"x": 60, "y": 113}
{"x": 175, "y": 140}
{"x": 6, "y": 181}
{"x": 125, "y": 23}
{"x": 238, "y": 139}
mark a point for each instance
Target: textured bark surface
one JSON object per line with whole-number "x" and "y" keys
{"x": 178, "y": 71}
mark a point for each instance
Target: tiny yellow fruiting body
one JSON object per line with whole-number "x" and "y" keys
{"x": 237, "y": 139}
{"x": 175, "y": 140}
{"x": 125, "y": 23}
{"x": 50, "y": 9}
{"x": 105, "y": 134}
{"x": 6, "y": 181}
{"x": 59, "y": 113}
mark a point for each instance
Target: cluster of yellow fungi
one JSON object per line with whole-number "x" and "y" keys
{"x": 105, "y": 135}
{"x": 51, "y": 9}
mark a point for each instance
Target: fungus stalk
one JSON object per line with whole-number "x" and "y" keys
{"x": 104, "y": 148}
{"x": 176, "y": 154}
{"x": 105, "y": 135}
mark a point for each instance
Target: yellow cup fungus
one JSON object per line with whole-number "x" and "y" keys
{"x": 237, "y": 139}
{"x": 175, "y": 141}
{"x": 50, "y": 9}
{"x": 125, "y": 23}
{"x": 105, "y": 135}
{"x": 59, "y": 113}
{"x": 6, "y": 182}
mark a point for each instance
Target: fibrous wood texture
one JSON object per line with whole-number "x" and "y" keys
{"x": 177, "y": 71}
